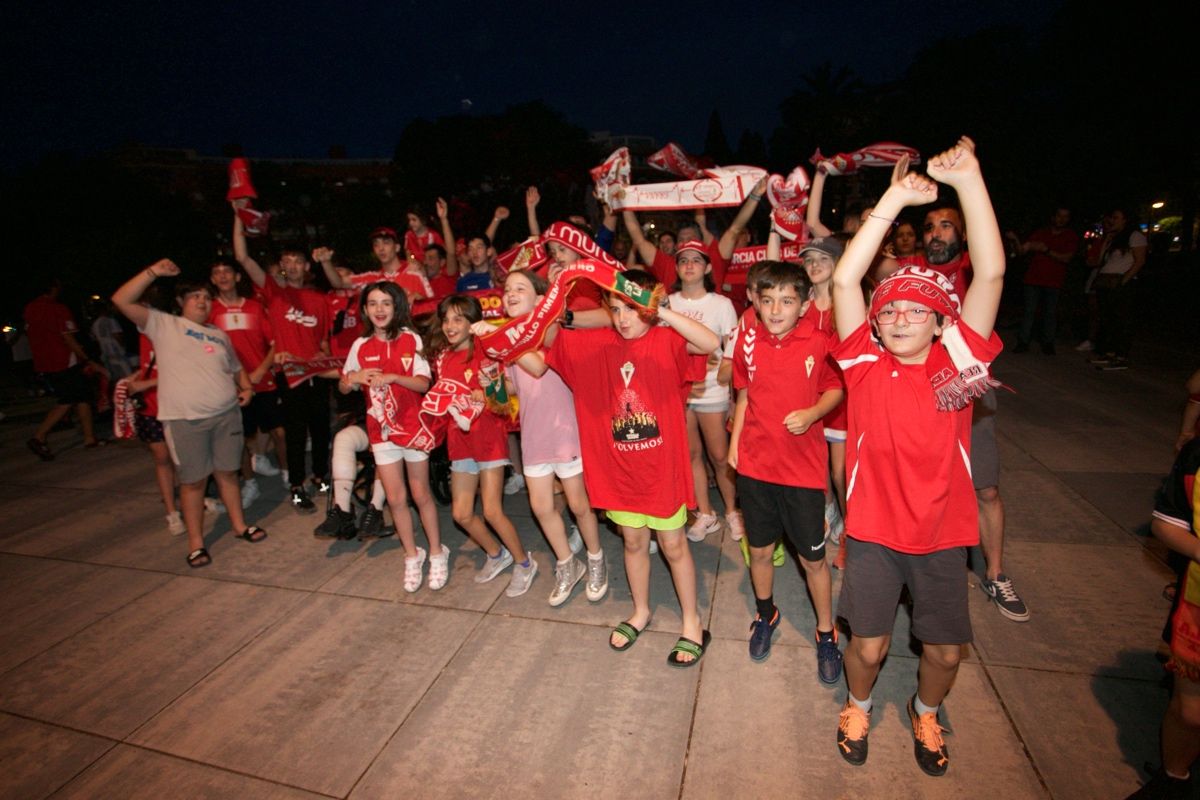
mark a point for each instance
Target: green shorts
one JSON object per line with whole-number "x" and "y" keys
{"x": 631, "y": 519}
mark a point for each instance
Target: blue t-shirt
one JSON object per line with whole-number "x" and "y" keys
{"x": 473, "y": 281}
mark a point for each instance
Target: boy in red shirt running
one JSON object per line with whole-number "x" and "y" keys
{"x": 785, "y": 385}
{"x": 912, "y": 367}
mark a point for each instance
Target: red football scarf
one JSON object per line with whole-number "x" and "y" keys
{"x": 675, "y": 160}
{"x": 524, "y": 335}
{"x": 124, "y": 413}
{"x": 297, "y": 372}
{"x": 880, "y": 154}
{"x": 572, "y": 238}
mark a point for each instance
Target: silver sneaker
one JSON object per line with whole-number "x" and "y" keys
{"x": 522, "y": 577}
{"x": 494, "y": 566}
{"x": 597, "y": 578}
{"x": 250, "y": 492}
{"x": 565, "y": 577}
{"x": 575, "y": 541}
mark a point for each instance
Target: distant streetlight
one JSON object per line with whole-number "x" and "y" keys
{"x": 1157, "y": 205}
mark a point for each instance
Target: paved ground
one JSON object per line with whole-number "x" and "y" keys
{"x": 299, "y": 668}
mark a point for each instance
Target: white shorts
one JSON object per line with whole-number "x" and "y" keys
{"x": 390, "y": 453}
{"x": 834, "y": 435}
{"x": 563, "y": 469}
{"x": 473, "y": 467}
{"x": 708, "y": 407}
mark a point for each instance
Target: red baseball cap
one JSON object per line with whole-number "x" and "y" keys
{"x": 384, "y": 233}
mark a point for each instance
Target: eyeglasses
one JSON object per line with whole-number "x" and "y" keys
{"x": 913, "y": 316}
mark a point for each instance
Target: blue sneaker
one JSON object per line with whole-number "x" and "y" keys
{"x": 829, "y": 658}
{"x": 761, "y": 632}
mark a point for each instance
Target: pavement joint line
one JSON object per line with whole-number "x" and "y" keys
{"x": 112, "y": 745}
{"x": 1012, "y": 724}
{"x": 436, "y": 679}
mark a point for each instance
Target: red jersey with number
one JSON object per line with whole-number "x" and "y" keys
{"x": 46, "y": 320}
{"x": 908, "y": 465}
{"x": 781, "y": 375}
{"x": 391, "y": 409}
{"x": 487, "y": 438}
{"x": 299, "y": 319}
{"x": 629, "y": 404}
{"x": 414, "y": 285}
{"x": 250, "y": 333}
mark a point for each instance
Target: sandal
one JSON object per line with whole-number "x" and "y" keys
{"x": 686, "y": 646}
{"x": 253, "y": 534}
{"x": 630, "y": 633}
{"x": 199, "y": 558}
{"x": 40, "y": 449}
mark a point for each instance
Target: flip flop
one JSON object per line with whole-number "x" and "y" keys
{"x": 199, "y": 558}
{"x": 688, "y": 647}
{"x": 253, "y": 534}
{"x": 630, "y": 633}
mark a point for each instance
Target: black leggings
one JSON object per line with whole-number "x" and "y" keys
{"x": 306, "y": 413}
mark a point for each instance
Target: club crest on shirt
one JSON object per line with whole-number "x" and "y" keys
{"x": 627, "y": 370}
{"x": 808, "y": 366}
{"x": 467, "y": 374}
{"x": 407, "y": 362}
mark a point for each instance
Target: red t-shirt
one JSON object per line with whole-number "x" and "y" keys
{"x": 629, "y": 403}
{"x": 148, "y": 368}
{"x": 487, "y": 439}
{"x": 46, "y": 320}
{"x": 392, "y": 409}
{"x": 414, "y": 285}
{"x": 249, "y": 332}
{"x": 835, "y": 420}
{"x": 299, "y": 319}
{"x": 1044, "y": 270}
{"x": 664, "y": 271}
{"x": 415, "y": 245}
{"x": 782, "y": 375}
{"x": 346, "y": 330}
{"x": 443, "y": 285}
{"x": 958, "y": 270}
{"x": 908, "y": 465}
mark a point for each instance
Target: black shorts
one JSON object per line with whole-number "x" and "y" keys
{"x": 70, "y": 386}
{"x": 149, "y": 429}
{"x": 771, "y": 510}
{"x": 263, "y": 413}
{"x": 937, "y": 583}
{"x": 985, "y": 454}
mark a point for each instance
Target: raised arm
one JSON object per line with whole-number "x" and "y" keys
{"x": 641, "y": 245}
{"x": 532, "y": 198}
{"x": 324, "y": 257}
{"x": 242, "y": 254}
{"x": 725, "y": 246}
{"x": 493, "y": 226}
{"x": 849, "y": 310}
{"x": 701, "y": 219}
{"x": 443, "y": 212}
{"x": 959, "y": 168}
{"x": 701, "y": 341}
{"x": 815, "y": 193}
{"x": 126, "y": 298}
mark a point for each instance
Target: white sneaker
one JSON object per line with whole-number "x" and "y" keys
{"x": 412, "y": 570}
{"x": 175, "y": 524}
{"x": 522, "y": 577}
{"x": 494, "y": 566}
{"x": 575, "y": 540}
{"x": 213, "y": 505}
{"x": 703, "y": 526}
{"x": 284, "y": 479}
{"x": 653, "y": 545}
{"x": 263, "y": 466}
{"x": 439, "y": 569}
{"x": 833, "y": 522}
{"x": 737, "y": 528}
{"x": 1084, "y": 347}
{"x": 566, "y": 575}
{"x": 514, "y": 484}
{"x": 250, "y": 492}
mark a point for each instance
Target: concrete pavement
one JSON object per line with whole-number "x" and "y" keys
{"x": 299, "y": 668}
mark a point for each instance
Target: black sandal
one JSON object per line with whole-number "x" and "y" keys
{"x": 253, "y": 534}
{"x": 686, "y": 646}
{"x": 630, "y": 633}
{"x": 199, "y": 558}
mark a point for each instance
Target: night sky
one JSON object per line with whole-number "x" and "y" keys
{"x": 291, "y": 79}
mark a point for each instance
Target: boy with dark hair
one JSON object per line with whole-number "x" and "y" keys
{"x": 913, "y": 364}
{"x": 785, "y": 385}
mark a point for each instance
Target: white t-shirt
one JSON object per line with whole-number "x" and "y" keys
{"x": 1122, "y": 262}
{"x": 197, "y": 368}
{"x": 716, "y": 313}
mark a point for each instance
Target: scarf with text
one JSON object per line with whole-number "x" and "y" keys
{"x": 880, "y": 154}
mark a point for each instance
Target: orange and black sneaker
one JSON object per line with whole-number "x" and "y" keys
{"x": 853, "y": 726}
{"x": 928, "y": 747}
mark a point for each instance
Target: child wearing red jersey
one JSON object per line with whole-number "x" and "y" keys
{"x": 912, "y": 366}
{"x": 143, "y": 384}
{"x": 628, "y": 382}
{"x": 389, "y": 367}
{"x": 479, "y": 455}
{"x": 786, "y": 385}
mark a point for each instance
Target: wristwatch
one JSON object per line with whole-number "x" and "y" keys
{"x": 568, "y": 319}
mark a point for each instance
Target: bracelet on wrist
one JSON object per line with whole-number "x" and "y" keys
{"x": 885, "y": 219}
{"x": 152, "y": 273}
